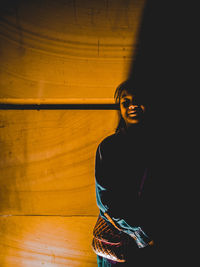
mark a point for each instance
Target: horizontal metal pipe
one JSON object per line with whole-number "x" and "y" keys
{"x": 58, "y": 106}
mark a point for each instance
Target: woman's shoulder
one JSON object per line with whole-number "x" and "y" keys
{"x": 109, "y": 141}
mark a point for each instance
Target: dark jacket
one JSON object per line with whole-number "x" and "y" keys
{"x": 125, "y": 185}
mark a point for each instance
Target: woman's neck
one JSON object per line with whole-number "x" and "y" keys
{"x": 133, "y": 128}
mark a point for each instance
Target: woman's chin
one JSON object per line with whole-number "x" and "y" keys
{"x": 132, "y": 121}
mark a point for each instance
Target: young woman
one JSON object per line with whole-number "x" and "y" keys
{"x": 123, "y": 175}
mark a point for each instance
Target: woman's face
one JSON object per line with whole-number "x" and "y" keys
{"x": 131, "y": 111}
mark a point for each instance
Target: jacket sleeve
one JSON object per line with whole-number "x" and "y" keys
{"x": 108, "y": 199}
{"x": 102, "y": 186}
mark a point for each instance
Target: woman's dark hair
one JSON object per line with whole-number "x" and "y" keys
{"x": 127, "y": 85}
{"x": 132, "y": 88}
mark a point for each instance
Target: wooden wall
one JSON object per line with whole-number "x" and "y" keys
{"x": 47, "y": 160}
{"x": 57, "y": 52}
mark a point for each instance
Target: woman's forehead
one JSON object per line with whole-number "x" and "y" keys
{"x": 125, "y": 93}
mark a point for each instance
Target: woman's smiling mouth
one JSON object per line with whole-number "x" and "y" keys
{"x": 132, "y": 113}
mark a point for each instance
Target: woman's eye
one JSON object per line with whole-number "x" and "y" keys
{"x": 126, "y": 103}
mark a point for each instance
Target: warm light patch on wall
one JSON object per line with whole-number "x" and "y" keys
{"x": 32, "y": 241}
{"x": 75, "y": 49}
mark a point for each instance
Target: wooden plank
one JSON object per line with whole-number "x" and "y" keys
{"x": 47, "y": 160}
{"x": 33, "y": 241}
{"x": 84, "y": 50}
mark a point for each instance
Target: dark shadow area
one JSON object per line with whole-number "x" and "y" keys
{"x": 163, "y": 69}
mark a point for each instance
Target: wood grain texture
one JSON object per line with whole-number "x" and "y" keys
{"x": 62, "y": 49}
{"x": 70, "y": 51}
{"x": 29, "y": 241}
{"x": 47, "y": 160}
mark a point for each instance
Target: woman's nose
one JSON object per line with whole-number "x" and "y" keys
{"x": 132, "y": 106}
